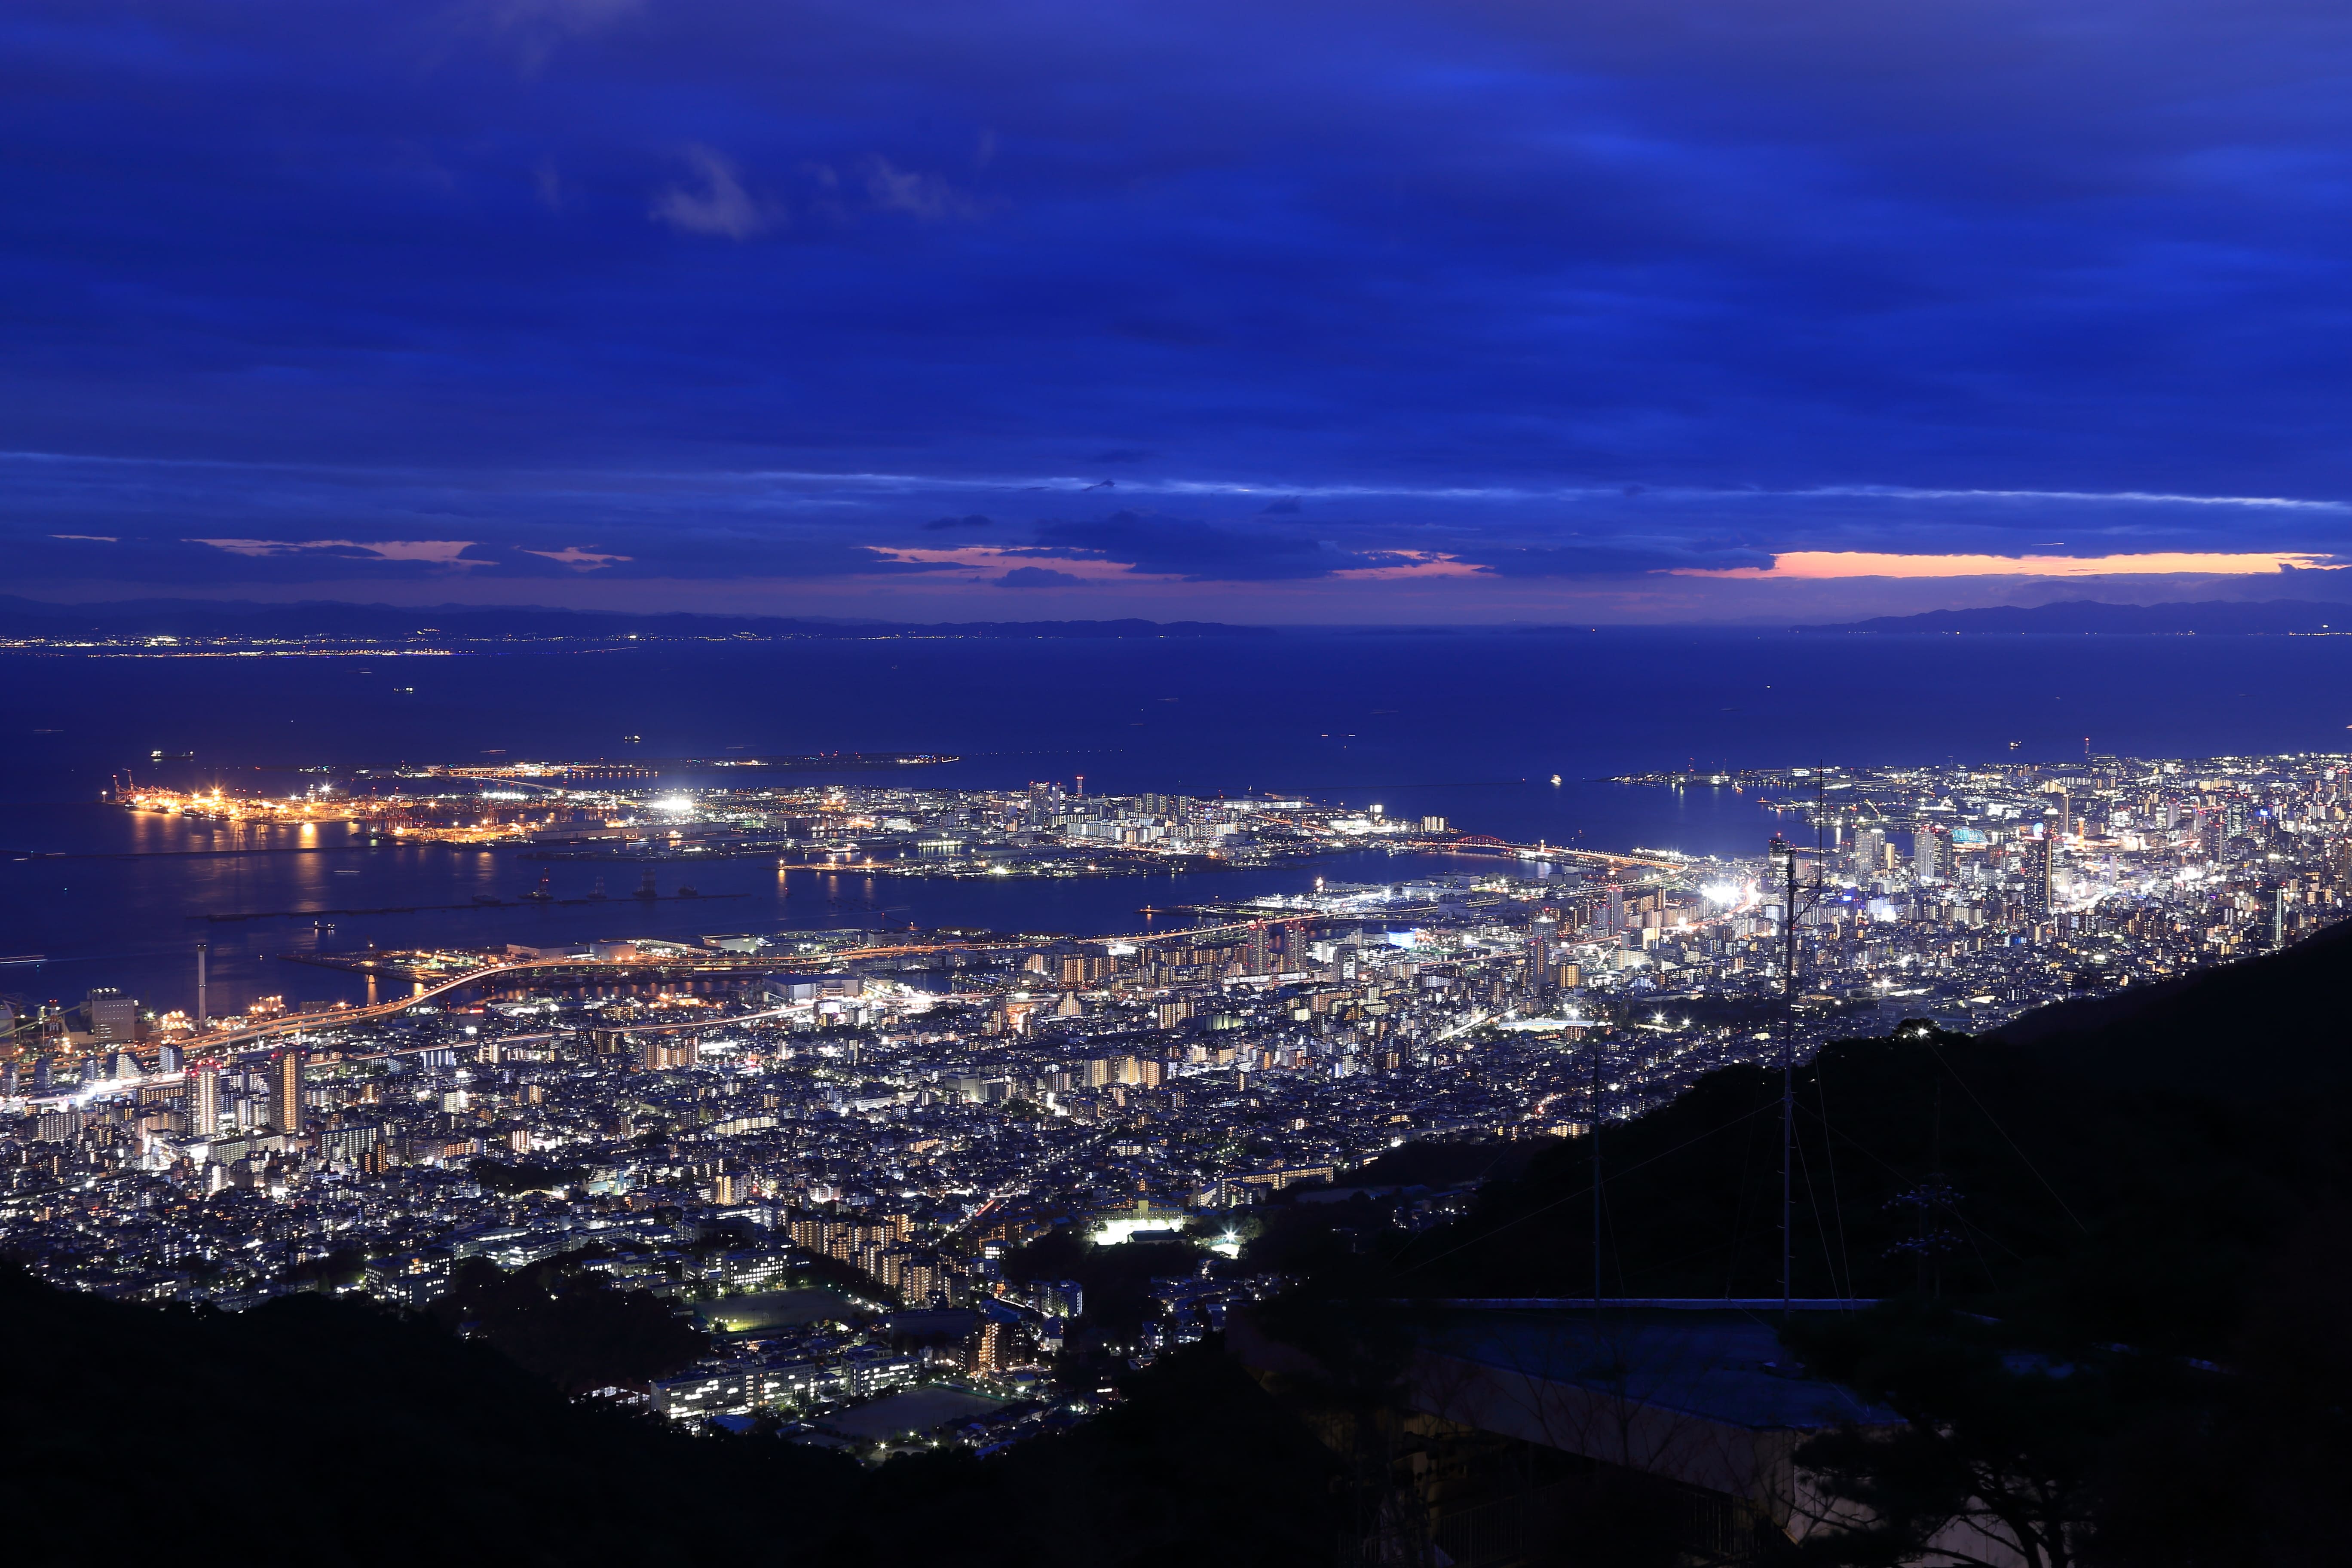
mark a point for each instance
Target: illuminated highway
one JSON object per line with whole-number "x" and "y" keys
{"x": 1479, "y": 843}
{"x": 700, "y": 964}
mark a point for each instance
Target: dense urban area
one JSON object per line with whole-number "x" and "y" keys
{"x": 859, "y": 1182}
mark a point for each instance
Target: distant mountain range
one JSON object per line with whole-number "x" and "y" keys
{"x": 2212, "y": 619}
{"x": 236, "y": 618}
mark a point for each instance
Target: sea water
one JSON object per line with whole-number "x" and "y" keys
{"x": 1470, "y": 725}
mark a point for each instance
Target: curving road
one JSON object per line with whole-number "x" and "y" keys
{"x": 223, "y": 1038}
{"x": 226, "y": 1039}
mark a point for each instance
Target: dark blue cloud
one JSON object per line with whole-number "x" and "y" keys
{"x": 1609, "y": 560}
{"x": 1038, "y": 577}
{"x": 709, "y": 288}
{"x": 1200, "y": 552}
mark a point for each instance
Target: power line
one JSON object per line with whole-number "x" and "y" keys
{"x": 1581, "y": 1192}
{"x": 1997, "y": 1127}
{"x": 1829, "y": 1154}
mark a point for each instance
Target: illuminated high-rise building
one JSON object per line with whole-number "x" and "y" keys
{"x": 1543, "y": 932}
{"x": 1869, "y": 851}
{"x": 113, "y": 1017}
{"x": 2040, "y": 868}
{"x": 286, "y": 1091}
{"x": 1927, "y": 853}
{"x": 990, "y": 1350}
{"x": 204, "y": 1099}
{"x": 1780, "y": 874}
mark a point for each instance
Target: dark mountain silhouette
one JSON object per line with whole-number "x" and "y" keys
{"x": 2210, "y": 618}
{"x": 378, "y": 1438}
{"x": 2270, "y": 1027}
{"x": 2109, "y": 1247}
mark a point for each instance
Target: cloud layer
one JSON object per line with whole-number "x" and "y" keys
{"x": 1552, "y": 305}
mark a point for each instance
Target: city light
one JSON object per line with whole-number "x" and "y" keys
{"x": 915, "y": 1104}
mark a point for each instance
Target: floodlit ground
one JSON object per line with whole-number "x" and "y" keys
{"x": 911, "y": 1410}
{"x": 777, "y": 1309}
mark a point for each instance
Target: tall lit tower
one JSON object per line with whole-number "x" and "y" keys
{"x": 1927, "y": 853}
{"x": 202, "y": 1016}
{"x": 2040, "y": 864}
{"x": 286, "y": 1090}
{"x": 1542, "y": 933}
{"x": 204, "y": 1099}
{"x": 1781, "y": 875}
{"x": 1869, "y": 851}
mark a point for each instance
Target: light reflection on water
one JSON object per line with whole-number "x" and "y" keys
{"x": 1467, "y": 725}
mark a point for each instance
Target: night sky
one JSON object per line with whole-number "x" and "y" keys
{"x": 1270, "y": 311}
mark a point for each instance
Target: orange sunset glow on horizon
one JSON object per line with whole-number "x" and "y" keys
{"x": 1817, "y": 565}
